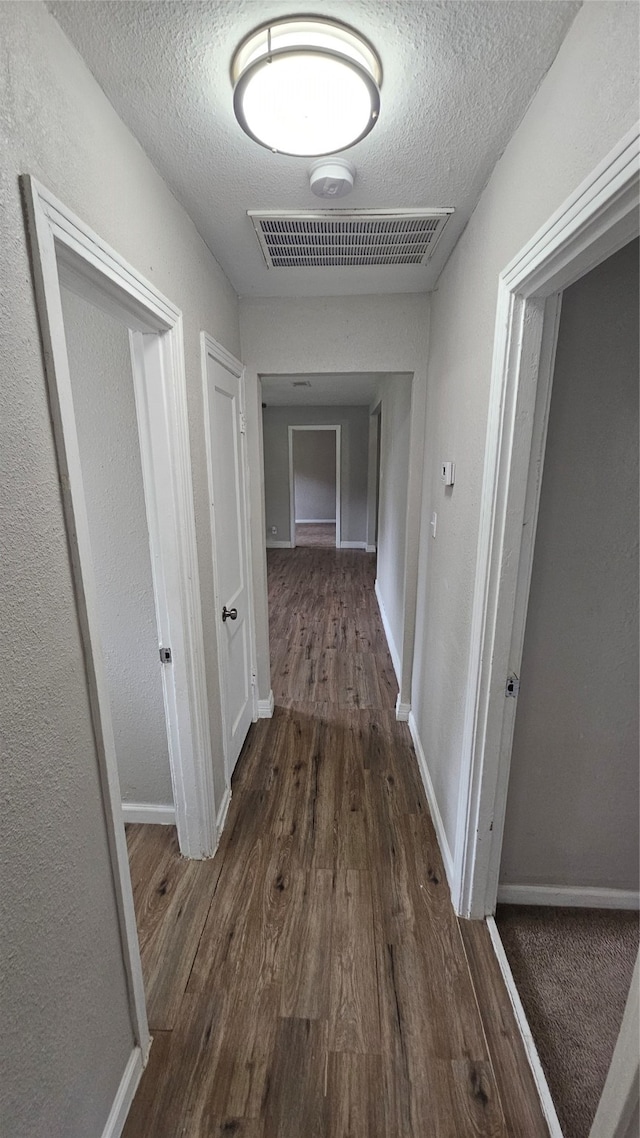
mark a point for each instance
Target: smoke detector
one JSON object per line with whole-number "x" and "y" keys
{"x": 331, "y": 177}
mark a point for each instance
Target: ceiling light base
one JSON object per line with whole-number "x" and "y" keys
{"x": 331, "y": 178}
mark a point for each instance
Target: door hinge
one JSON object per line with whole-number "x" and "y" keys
{"x": 254, "y": 678}
{"x": 165, "y": 655}
{"x": 512, "y": 686}
{"x": 243, "y": 423}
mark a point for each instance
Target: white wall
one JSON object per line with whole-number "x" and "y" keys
{"x": 585, "y": 104}
{"x": 572, "y": 808}
{"x": 335, "y": 335}
{"x": 354, "y": 422}
{"x": 103, "y": 398}
{"x": 66, "y": 1033}
{"x": 314, "y": 476}
{"x": 395, "y": 396}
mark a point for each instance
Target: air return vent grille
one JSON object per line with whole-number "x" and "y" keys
{"x": 336, "y": 238}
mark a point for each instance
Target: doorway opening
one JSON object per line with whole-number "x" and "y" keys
{"x": 107, "y": 293}
{"x": 314, "y": 485}
{"x": 594, "y": 225}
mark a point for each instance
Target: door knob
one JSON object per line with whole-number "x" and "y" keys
{"x": 229, "y": 614}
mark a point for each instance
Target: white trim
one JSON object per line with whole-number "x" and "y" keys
{"x": 429, "y": 790}
{"x": 124, "y": 1095}
{"x": 266, "y": 706}
{"x": 211, "y": 347}
{"x": 371, "y": 548}
{"x": 221, "y": 817}
{"x": 402, "y": 710}
{"x": 315, "y": 521}
{"x": 292, "y": 504}
{"x": 278, "y": 544}
{"x": 353, "y": 545}
{"x": 149, "y": 813}
{"x": 395, "y": 657}
{"x": 576, "y": 897}
{"x": 621, "y": 1093}
{"x": 539, "y": 1077}
{"x": 597, "y": 220}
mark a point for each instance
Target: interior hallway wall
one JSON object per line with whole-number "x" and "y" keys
{"x": 354, "y": 422}
{"x": 314, "y": 476}
{"x": 572, "y": 808}
{"x": 395, "y": 397}
{"x": 334, "y": 335}
{"x": 104, "y": 402}
{"x": 66, "y": 1027}
{"x": 587, "y": 101}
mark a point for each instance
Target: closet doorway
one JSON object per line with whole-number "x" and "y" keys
{"x": 314, "y": 485}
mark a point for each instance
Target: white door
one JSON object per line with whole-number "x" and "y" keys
{"x": 224, "y": 404}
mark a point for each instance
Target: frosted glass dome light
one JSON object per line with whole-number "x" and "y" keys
{"x": 306, "y": 86}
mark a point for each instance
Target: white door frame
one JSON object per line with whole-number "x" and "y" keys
{"x": 597, "y": 220}
{"x": 65, "y": 250}
{"x": 292, "y": 500}
{"x": 211, "y": 347}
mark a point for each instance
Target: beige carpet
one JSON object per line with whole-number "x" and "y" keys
{"x": 573, "y": 969}
{"x": 316, "y": 533}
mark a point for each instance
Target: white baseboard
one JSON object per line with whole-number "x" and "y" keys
{"x": 436, "y": 816}
{"x": 265, "y": 707}
{"x": 353, "y": 545}
{"x": 278, "y": 544}
{"x": 578, "y": 897}
{"x": 539, "y": 1077}
{"x": 315, "y": 521}
{"x": 147, "y": 813}
{"x": 371, "y": 548}
{"x": 402, "y": 710}
{"x": 223, "y": 811}
{"x": 124, "y": 1096}
{"x": 395, "y": 658}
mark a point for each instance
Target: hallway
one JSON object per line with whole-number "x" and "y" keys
{"x": 311, "y": 981}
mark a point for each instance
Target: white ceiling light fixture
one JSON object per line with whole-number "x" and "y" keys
{"x": 306, "y": 86}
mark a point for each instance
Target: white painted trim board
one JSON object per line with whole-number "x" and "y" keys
{"x": 278, "y": 544}
{"x": 266, "y": 706}
{"x": 124, "y": 1096}
{"x": 315, "y": 521}
{"x": 539, "y": 1077}
{"x": 434, "y": 809}
{"x": 149, "y": 813}
{"x": 395, "y": 658}
{"x": 353, "y": 544}
{"x": 221, "y": 816}
{"x": 576, "y": 897}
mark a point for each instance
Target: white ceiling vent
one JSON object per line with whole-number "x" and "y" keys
{"x": 334, "y": 238}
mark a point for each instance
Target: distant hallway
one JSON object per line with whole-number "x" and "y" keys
{"x": 312, "y": 981}
{"x": 316, "y": 534}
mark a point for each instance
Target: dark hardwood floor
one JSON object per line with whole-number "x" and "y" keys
{"x": 311, "y": 981}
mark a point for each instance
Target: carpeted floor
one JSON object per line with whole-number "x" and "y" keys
{"x": 316, "y": 533}
{"x": 572, "y": 968}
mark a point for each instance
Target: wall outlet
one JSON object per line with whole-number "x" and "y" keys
{"x": 274, "y": 530}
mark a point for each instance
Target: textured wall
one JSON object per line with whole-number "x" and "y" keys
{"x": 353, "y": 471}
{"x": 586, "y": 102}
{"x": 392, "y": 509}
{"x": 314, "y": 475}
{"x": 333, "y": 334}
{"x": 572, "y": 810}
{"x": 102, "y": 383}
{"x": 66, "y": 1034}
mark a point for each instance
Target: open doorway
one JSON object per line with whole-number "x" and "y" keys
{"x": 314, "y": 485}
{"x": 568, "y": 887}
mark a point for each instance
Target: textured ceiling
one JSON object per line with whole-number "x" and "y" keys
{"x": 350, "y": 390}
{"x": 458, "y": 76}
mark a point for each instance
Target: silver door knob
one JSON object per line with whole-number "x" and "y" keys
{"x": 229, "y": 614}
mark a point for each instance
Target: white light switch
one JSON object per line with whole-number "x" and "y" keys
{"x": 448, "y": 473}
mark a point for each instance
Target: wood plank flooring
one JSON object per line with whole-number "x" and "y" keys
{"x": 311, "y": 980}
